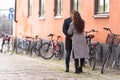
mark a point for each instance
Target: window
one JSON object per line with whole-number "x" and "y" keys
{"x": 41, "y": 8}
{"x": 75, "y": 5}
{"x": 101, "y": 6}
{"x": 29, "y": 8}
{"x": 58, "y": 8}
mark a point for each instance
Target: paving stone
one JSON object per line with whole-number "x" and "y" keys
{"x": 25, "y": 67}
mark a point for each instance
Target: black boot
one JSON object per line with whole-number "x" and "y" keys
{"x": 77, "y": 66}
{"x": 77, "y": 70}
{"x": 81, "y": 65}
{"x": 67, "y": 69}
{"x": 80, "y": 69}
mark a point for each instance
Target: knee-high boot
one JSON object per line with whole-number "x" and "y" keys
{"x": 76, "y": 65}
{"x": 81, "y": 65}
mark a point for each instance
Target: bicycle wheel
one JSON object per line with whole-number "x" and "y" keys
{"x": 92, "y": 60}
{"x": 46, "y": 51}
{"x": 19, "y": 48}
{"x": 59, "y": 51}
{"x": 26, "y": 46}
{"x": 118, "y": 62}
{"x": 5, "y": 48}
{"x": 10, "y": 47}
{"x": 105, "y": 63}
{"x": 35, "y": 52}
{"x": 14, "y": 45}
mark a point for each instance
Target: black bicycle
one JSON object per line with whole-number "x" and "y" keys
{"x": 91, "y": 48}
{"x": 23, "y": 46}
{"x": 35, "y": 45}
{"x": 52, "y": 48}
{"x": 113, "y": 41}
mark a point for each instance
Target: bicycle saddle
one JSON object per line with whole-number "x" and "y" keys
{"x": 59, "y": 36}
{"x": 36, "y": 36}
{"x": 51, "y": 34}
{"x": 90, "y": 36}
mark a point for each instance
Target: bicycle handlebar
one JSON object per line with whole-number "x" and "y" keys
{"x": 92, "y": 30}
{"x": 108, "y": 29}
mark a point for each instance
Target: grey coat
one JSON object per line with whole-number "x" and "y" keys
{"x": 79, "y": 47}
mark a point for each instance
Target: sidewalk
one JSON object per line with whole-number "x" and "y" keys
{"x": 24, "y": 67}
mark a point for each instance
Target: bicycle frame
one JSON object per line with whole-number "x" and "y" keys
{"x": 54, "y": 43}
{"x": 91, "y": 48}
{"x": 111, "y": 43}
{"x": 36, "y": 44}
{"x": 52, "y": 48}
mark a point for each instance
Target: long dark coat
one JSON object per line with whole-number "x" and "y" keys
{"x": 68, "y": 41}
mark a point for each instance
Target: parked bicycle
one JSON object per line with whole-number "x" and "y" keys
{"x": 91, "y": 48}
{"x": 52, "y": 48}
{"x": 23, "y": 46}
{"x": 7, "y": 46}
{"x": 112, "y": 40}
{"x": 35, "y": 45}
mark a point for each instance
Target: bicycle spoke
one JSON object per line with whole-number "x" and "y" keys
{"x": 59, "y": 51}
{"x": 46, "y": 51}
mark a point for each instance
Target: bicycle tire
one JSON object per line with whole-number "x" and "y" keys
{"x": 92, "y": 60}
{"x": 108, "y": 54}
{"x": 34, "y": 52}
{"x": 5, "y": 48}
{"x": 19, "y": 49}
{"x": 26, "y": 46}
{"x": 59, "y": 51}
{"x": 46, "y": 51}
{"x": 14, "y": 45}
{"x": 118, "y": 62}
{"x": 10, "y": 47}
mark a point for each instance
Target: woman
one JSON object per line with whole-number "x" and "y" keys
{"x": 79, "y": 47}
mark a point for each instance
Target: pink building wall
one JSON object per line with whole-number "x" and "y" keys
{"x": 33, "y": 25}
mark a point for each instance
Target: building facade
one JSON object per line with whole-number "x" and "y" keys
{"x": 41, "y": 17}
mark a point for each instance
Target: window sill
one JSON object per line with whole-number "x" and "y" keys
{"x": 58, "y": 17}
{"x": 42, "y": 17}
{"x": 97, "y": 16}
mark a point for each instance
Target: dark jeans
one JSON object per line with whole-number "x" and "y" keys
{"x": 67, "y": 59}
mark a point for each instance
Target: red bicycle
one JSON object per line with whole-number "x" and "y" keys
{"x": 52, "y": 48}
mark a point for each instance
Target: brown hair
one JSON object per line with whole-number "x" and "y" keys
{"x": 78, "y": 22}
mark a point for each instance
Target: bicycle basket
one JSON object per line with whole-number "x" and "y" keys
{"x": 115, "y": 42}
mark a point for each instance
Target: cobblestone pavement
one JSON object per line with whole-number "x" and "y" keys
{"x": 22, "y": 67}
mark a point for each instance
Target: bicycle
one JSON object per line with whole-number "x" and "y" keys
{"x": 112, "y": 40}
{"x": 91, "y": 48}
{"x": 52, "y": 48}
{"x": 23, "y": 46}
{"x": 7, "y": 47}
{"x": 35, "y": 46}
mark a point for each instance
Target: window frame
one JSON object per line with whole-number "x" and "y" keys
{"x": 30, "y": 8}
{"x": 58, "y": 8}
{"x": 104, "y": 13}
{"x": 72, "y": 5}
{"x": 41, "y": 9}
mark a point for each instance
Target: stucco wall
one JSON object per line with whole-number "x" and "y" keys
{"x": 35, "y": 26}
